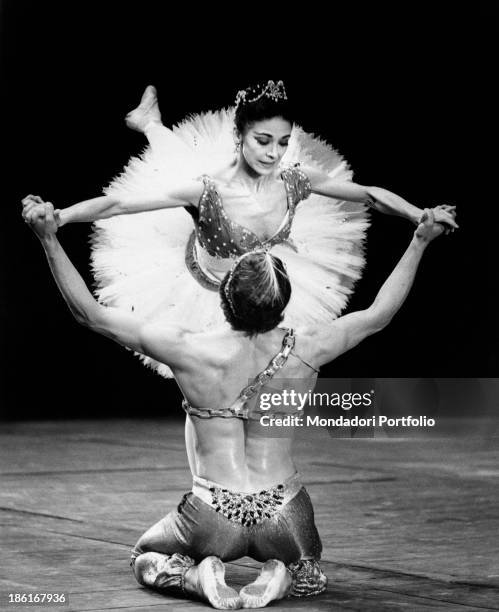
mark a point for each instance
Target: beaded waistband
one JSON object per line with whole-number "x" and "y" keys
{"x": 247, "y": 508}
{"x": 195, "y": 267}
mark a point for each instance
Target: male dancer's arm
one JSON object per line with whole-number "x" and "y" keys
{"x": 347, "y": 331}
{"x": 377, "y": 198}
{"x": 165, "y": 345}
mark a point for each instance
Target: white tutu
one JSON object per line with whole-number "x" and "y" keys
{"x": 139, "y": 260}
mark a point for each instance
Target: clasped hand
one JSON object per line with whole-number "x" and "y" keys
{"x": 428, "y": 229}
{"x": 40, "y": 216}
{"x": 445, "y": 215}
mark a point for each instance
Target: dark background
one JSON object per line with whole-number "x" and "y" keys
{"x": 406, "y": 94}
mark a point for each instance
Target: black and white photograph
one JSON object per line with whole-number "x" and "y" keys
{"x": 250, "y": 348}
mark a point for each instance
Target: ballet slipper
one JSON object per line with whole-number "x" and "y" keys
{"x": 273, "y": 582}
{"x": 207, "y": 581}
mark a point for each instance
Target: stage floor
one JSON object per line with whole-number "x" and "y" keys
{"x": 407, "y": 524}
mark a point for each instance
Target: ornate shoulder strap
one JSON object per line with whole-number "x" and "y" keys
{"x": 206, "y": 201}
{"x": 238, "y": 408}
{"x": 274, "y": 366}
{"x": 297, "y": 182}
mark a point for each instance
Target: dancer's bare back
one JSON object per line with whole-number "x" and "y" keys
{"x": 240, "y": 454}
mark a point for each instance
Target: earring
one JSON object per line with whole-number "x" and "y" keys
{"x": 238, "y": 147}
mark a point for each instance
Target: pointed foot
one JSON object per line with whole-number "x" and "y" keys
{"x": 146, "y": 112}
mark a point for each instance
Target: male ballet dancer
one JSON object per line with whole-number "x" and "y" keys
{"x": 246, "y": 497}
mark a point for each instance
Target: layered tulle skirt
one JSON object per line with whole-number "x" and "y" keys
{"x": 139, "y": 260}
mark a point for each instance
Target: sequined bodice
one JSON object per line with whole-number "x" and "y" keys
{"x": 224, "y": 238}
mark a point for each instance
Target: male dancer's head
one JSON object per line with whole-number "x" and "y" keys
{"x": 255, "y": 292}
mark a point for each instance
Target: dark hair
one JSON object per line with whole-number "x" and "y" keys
{"x": 248, "y": 113}
{"x": 257, "y": 295}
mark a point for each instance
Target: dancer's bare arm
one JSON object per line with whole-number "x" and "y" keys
{"x": 121, "y": 326}
{"x": 347, "y": 331}
{"x": 104, "y": 207}
{"x": 378, "y": 198}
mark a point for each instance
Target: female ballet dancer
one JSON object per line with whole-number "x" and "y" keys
{"x": 156, "y": 265}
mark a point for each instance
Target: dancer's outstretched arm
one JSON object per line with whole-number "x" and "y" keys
{"x": 376, "y": 197}
{"x": 347, "y": 331}
{"x": 121, "y": 326}
{"x": 103, "y": 207}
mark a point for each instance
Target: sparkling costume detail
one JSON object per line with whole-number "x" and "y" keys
{"x": 308, "y": 578}
{"x": 274, "y": 91}
{"x": 171, "y": 577}
{"x": 247, "y": 509}
{"x": 221, "y": 237}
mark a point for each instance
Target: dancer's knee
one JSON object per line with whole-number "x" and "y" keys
{"x": 141, "y": 548}
{"x": 307, "y": 578}
{"x": 136, "y": 552}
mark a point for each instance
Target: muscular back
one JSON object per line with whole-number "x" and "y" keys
{"x": 237, "y": 453}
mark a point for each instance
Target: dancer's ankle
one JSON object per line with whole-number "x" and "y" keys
{"x": 151, "y": 125}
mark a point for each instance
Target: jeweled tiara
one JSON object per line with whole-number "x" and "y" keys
{"x": 272, "y": 90}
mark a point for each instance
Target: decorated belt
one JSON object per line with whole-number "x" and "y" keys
{"x": 195, "y": 268}
{"x": 246, "y": 508}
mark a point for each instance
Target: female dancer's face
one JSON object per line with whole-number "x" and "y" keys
{"x": 264, "y": 143}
